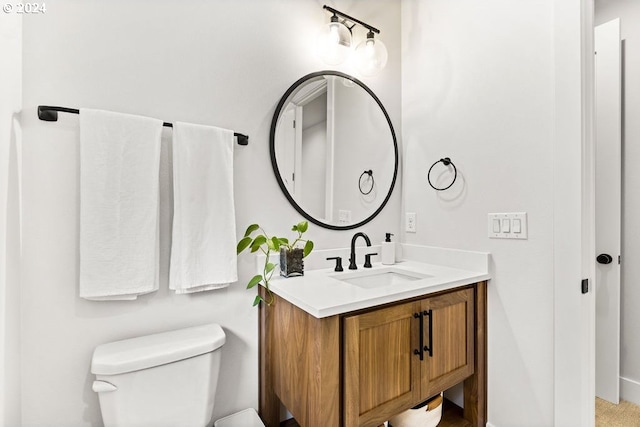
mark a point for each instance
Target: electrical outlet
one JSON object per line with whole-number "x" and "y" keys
{"x": 410, "y": 222}
{"x": 344, "y": 216}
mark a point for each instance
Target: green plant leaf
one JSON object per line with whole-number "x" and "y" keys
{"x": 308, "y": 247}
{"x": 257, "y": 242}
{"x": 270, "y": 244}
{"x": 243, "y": 244}
{"x": 251, "y": 229}
{"x": 302, "y": 226}
{"x": 257, "y": 300}
{"x": 276, "y": 243}
{"x": 254, "y": 281}
{"x": 283, "y": 240}
{"x": 269, "y": 267}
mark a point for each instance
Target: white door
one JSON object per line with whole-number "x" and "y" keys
{"x": 285, "y": 149}
{"x": 608, "y": 208}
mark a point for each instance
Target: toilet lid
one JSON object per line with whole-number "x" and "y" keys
{"x": 148, "y": 351}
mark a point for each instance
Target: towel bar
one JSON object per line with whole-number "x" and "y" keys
{"x": 49, "y": 113}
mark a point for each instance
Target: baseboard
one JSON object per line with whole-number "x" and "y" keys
{"x": 490, "y": 425}
{"x": 630, "y": 390}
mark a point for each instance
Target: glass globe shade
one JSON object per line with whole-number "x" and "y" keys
{"x": 371, "y": 56}
{"x": 334, "y": 43}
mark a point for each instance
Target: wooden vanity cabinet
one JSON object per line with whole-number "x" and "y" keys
{"x": 385, "y": 370}
{"x": 361, "y": 368}
{"x": 381, "y": 373}
{"x": 452, "y": 356}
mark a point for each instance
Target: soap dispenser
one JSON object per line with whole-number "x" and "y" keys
{"x": 388, "y": 250}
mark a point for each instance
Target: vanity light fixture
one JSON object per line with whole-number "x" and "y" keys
{"x": 334, "y": 40}
{"x": 335, "y": 44}
{"x": 371, "y": 55}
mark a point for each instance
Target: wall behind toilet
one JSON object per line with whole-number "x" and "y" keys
{"x": 224, "y": 63}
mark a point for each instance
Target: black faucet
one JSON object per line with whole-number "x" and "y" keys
{"x": 352, "y": 257}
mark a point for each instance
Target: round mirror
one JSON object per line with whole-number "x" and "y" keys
{"x": 333, "y": 150}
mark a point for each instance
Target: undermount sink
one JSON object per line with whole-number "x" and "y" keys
{"x": 389, "y": 276}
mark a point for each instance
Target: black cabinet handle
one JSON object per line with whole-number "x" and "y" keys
{"x": 429, "y": 348}
{"x": 421, "y": 351}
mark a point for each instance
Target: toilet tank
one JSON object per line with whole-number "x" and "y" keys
{"x": 166, "y": 379}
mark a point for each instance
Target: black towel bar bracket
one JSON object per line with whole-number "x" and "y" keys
{"x": 50, "y": 114}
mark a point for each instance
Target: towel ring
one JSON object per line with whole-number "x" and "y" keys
{"x": 446, "y": 161}
{"x": 370, "y": 173}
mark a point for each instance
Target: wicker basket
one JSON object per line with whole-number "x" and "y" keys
{"x": 427, "y": 414}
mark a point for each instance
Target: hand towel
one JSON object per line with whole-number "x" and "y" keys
{"x": 119, "y": 175}
{"x": 203, "y": 247}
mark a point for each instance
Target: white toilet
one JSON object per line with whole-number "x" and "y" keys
{"x": 166, "y": 379}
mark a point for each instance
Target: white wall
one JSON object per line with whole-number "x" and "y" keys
{"x": 10, "y": 141}
{"x": 629, "y": 13}
{"x": 478, "y": 87}
{"x": 225, "y": 63}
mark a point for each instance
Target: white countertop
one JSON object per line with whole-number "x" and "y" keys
{"x": 321, "y": 293}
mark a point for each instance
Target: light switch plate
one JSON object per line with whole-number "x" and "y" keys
{"x": 511, "y": 225}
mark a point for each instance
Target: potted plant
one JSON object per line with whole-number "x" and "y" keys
{"x": 291, "y": 255}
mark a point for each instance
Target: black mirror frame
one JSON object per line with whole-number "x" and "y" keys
{"x": 274, "y": 164}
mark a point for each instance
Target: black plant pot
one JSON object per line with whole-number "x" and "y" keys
{"x": 291, "y": 262}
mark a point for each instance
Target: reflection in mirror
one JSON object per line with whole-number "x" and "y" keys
{"x": 333, "y": 150}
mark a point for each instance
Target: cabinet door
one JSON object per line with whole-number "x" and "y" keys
{"x": 381, "y": 372}
{"x": 450, "y": 338}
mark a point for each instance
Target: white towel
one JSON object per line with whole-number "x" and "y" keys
{"x": 119, "y": 174}
{"x": 203, "y": 248}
